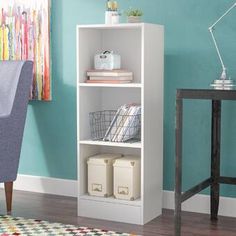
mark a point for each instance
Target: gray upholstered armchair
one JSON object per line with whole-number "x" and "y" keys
{"x": 15, "y": 82}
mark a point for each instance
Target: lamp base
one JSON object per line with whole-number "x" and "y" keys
{"x": 223, "y": 84}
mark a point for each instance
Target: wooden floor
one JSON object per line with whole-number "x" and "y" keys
{"x": 63, "y": 209}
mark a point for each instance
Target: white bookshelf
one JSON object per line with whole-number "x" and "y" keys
{"x": 141, "y": 49}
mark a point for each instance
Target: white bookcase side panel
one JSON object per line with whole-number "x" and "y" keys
{"x": 153, "y": 122}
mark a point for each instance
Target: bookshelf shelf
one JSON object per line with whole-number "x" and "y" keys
{"x": 112, "y": 144}
{"x": 112, "y": 200}
{"x": 131, "y": 85}
{"x": 141, "y": 49}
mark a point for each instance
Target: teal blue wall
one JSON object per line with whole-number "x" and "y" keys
{"x": 49, "y": 147}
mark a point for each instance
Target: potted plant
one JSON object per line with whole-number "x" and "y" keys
{"x": 134, "y": 15}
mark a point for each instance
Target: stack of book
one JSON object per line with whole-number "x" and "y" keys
{"x": 125, "y": 125}
{"x": 109, "y": 76}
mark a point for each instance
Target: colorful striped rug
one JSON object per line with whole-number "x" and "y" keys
{"x": 18, "y": 226}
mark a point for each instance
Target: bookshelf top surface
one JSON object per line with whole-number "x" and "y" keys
{"x": 116, "y": 26}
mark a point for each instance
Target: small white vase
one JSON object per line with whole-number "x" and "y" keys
{"x": 134, "y": 19}
{"x": 108, "y": 17}
{"x": 112, "y": 17}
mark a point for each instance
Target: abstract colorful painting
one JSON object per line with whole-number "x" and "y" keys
{"x": 25, "y": 35}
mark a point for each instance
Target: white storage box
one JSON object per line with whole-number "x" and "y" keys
{"x": 127, "y": 180}
{"x": 107, "y": 61}
{"x": 100, "y": 174}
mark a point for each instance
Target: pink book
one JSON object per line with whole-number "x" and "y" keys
{"x": 108, "y": 81}
{"x": 111, "y": 78}
{"x": 114, "y": 73}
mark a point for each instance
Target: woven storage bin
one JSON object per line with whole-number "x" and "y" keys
{"x": 100, "y": 174}
{"x": 127, "y": 180}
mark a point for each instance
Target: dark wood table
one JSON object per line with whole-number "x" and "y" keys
{"x": 215, "y": 179}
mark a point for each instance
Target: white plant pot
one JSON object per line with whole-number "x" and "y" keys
{"x": 112, "y": 17}
{"x": 134, "y": 19}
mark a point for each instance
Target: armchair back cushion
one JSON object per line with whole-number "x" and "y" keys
{"x": 15, "y": 81}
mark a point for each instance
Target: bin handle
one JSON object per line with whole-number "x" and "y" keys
{"x": 107, "y": 52}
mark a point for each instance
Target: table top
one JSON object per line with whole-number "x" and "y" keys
{"x": 206, "y": 94}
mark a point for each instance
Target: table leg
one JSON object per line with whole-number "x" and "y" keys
{"x": 178, "y": 166}
{"x": 215, "y": 157}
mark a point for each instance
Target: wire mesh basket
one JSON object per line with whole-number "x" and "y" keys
{"x": 108, "y": 125}
{"x": 100, "y": 122}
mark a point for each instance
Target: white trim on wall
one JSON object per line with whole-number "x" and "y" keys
{"x": 46, "y": 185}
{"x": 199, "y": 203}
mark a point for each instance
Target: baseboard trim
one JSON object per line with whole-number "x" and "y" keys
{"x": 46, "y": 185}
{"x": 201, "y": 204}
